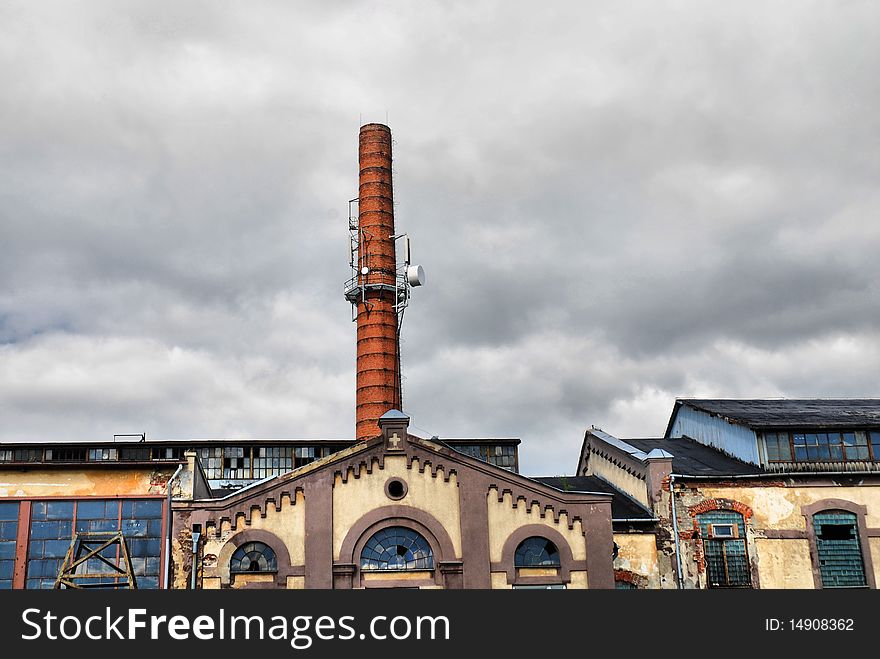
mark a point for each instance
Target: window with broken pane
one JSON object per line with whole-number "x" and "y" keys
{"x": 54, "y": 523}
{"x": 397, "y": 548}
{"x": 839, "y": 549}
{"x": 253, "y": 557}
{"x": 536, "y": 552}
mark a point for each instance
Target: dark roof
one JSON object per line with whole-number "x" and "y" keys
{"x": 622, "y": 506}
{"x": 782, "y": 413}
{"x": 694, "y": 459}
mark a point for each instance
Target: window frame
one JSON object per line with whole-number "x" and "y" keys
{"x": 555, "y": 565}
{"x": 822, "y": 451}
{"x": 860, "y": 511}
{"x": 724, "y": 542}
{"x": 243, "y": 549}
{"x": 397, "y": 528}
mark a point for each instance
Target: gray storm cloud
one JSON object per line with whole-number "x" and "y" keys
{"x": 616, "y": 204}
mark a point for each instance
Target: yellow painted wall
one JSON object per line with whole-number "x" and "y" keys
{"x": 622, "y": 480}
{"x": 579, "y": 579}
{"x": 783, "y": 563}
{"x": 499, "y": 581}
{"x": 504, "y": 519}
{"x": 241, "y": 580}
{"x": 874, "y": 547}
{"x": 288, "y": 524}
{"x": 378, "y": 577}
{"x": 359, "y": 496}
{"x": 638, "y": 553}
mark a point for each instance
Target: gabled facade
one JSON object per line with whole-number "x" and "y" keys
{"x": 395, "y": 511}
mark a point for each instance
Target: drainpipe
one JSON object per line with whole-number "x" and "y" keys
{"x": 168, "y": 526}
{"x": 196, "y": 534}
{"x": 678, "y": 569}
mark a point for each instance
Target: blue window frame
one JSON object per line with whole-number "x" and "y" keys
{"x": 397, "y": 548}
{"x": 8, "y": 535}
{"x": 54, "y": 523}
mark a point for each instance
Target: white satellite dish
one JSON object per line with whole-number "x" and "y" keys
{"x": 415, "y": 275}
{"x": 365, "y": 270}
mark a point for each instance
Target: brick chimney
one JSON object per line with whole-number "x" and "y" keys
{"x": 378, "y": 346}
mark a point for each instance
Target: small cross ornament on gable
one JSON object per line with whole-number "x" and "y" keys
{"x": 394, "y": 442}
{"x": 393, "y": 425}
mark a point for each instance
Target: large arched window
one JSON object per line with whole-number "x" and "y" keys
{"x": 840, "y": 551}
{"x": 253, "y": 557}
{"x": 397, "y": 548}
{"x": 536, "y": 552}
{"x": 724, "y": 549}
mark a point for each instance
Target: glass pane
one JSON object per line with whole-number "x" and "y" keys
{"x": 397, "y": 548}
{"x": 784, "y": 448}
{"x": 857, "y": 453}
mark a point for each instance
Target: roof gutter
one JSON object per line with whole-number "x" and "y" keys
{"x": 776, "y": 474}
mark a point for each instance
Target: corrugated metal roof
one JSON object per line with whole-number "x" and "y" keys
{"x": 791, "y": 412}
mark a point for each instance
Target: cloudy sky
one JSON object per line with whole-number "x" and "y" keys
{"x": 615, "y": 204}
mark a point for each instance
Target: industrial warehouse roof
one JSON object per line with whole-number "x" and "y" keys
{"x": 694, "y": 459}
{"x": 792, "y": 413}
{"x": 622, "y": 507}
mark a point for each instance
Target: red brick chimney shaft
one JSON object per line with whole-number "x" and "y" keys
{"x": 378, "y": 347}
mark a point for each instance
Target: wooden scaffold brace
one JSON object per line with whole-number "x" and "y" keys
{"x": 77, "y": 570}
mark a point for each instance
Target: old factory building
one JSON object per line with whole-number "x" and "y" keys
{"x": 736, "y": 494}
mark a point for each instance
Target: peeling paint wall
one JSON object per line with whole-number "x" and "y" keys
{"x": 287, "y": 525}
{"x": 637, "y": 553}
{"x": 777, "y": 534}
{"x": 83, "y": 482}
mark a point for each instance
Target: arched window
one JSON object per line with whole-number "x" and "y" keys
{"x": 397, "y": 548}
{"x": 253, "y": 557}
{"x": 839, "y": 549}
{"x": 724, "y": 549}
{"x": 536, "y": 552}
